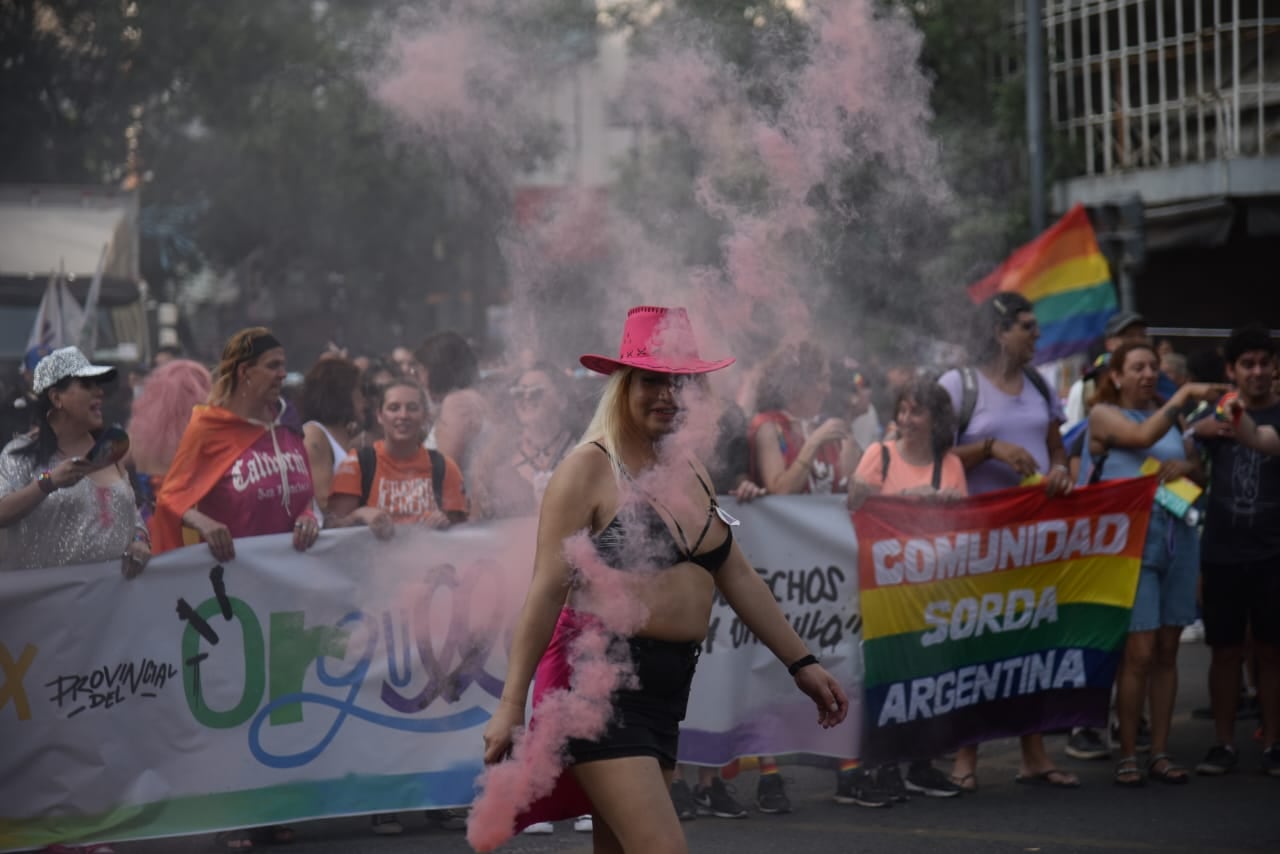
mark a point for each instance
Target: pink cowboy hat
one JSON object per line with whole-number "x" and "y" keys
{"x": 656, "y": 339}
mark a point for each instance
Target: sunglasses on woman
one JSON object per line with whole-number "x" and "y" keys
{"x": 527, "y": 394}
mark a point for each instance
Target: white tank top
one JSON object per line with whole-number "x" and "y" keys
{"x": 339, "y": 452}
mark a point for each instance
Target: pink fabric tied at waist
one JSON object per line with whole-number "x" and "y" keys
{"x": 555, "y": 671}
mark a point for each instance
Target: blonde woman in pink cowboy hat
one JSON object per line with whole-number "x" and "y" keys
{"x": 606, "y": 486}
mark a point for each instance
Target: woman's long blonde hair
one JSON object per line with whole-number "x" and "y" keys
{"x": 612, "y": 420}
{"x": 238, "y": 351}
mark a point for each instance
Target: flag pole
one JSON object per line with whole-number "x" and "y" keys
{"x": 1035, "y": 113}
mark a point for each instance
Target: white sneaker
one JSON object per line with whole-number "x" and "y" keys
{"x": 540, "y": 828}
{"x": 1193, "y": 633}
{"x": 583, "y": 824}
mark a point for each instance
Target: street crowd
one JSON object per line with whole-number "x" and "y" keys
{"x": 426, "y": 435}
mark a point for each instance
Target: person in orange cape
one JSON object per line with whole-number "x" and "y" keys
{"x": 241, "y": 469}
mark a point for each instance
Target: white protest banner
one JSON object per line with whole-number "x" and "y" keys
{"x": 356, "y": 678}
{"x": 743, "y": 703}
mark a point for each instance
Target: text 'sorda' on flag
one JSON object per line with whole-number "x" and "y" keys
{"x": 997, "y": 616}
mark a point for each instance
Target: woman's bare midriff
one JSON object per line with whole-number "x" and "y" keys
{"x": 679, "y": 601}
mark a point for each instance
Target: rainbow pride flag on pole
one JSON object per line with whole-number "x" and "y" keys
{"x": 1066, "y": 277}
{"x": 1001, "y": 615}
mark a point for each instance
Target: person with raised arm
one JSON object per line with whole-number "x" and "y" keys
{"x": 1240, "y": 549}
{"x": 1127, "y": 425}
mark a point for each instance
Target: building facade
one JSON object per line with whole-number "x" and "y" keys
{"x": 1171, "y": 110}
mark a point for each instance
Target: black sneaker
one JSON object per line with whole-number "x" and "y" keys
{"x": 888, "y": 779}
{"x": 1220, "y": 759}
{"x": 924, "y": 779}
{"x": 1086, "y": 743}
{"x": 771, "y": 796}
{"x": 717, "y": 800}
{"x": 682, "y": 800}
{"x": 1271, "y": 761}
{"x": 386, "y": 824}
{"x": 858, "y": 787}
{"x": 1142, "y": 743}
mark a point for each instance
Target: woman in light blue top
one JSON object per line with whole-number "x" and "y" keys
{"x": 1126, "y": 427}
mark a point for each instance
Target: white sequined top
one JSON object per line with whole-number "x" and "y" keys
{"x": 85, "y": 523}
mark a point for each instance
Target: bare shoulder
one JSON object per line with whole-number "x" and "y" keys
{"x": 582, "y": 468}
{"x": 767, "y": 432}
{"x": 581, "y": 484}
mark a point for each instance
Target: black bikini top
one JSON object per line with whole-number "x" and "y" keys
{"x": 658, "y": 544}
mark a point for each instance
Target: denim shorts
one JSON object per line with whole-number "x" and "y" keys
{"x": 1167, "y": 583}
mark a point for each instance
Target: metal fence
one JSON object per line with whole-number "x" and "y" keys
{"x": 1139, "y": 84}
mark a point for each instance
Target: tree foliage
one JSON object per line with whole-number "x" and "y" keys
{"x": 261, "y": 151}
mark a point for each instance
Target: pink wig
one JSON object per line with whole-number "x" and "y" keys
{"x": 161, "y": 413}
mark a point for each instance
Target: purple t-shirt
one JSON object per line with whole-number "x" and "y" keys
{"x": 1022, "y": 419}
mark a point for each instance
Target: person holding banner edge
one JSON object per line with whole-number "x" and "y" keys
{"x": 240, "y": 471}
{"x": 626, "y": 773}
{"x": 1009, "y": 432}
{"x": 917, "y": 464}
{"x": 1125, "y": 428}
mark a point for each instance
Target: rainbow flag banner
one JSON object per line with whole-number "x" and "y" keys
{"x": 1066, "y": 277}
{"x": 1001, "y": 615}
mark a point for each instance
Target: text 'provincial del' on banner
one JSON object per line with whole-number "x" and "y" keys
{"x": 1001, "y": 615}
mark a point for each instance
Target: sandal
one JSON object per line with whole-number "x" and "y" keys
{"x": 1128, "y": 775}
{"x": 967, "y": 783}
{"x": 1172, "y": 773}
{"x": 1054, "y": 778}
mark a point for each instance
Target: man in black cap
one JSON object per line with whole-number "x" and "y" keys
{"x": 17, "y": 415}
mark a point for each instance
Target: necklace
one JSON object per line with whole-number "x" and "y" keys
{"x": 545, "y": 457}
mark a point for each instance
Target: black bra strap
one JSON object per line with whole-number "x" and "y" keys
{"x": 653, "y": 500}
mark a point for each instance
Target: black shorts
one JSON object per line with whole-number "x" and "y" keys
{"x": 646, "y": 720}
{"x": 1237, "y": 596}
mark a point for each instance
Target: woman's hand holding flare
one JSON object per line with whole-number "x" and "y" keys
{"x": 501, "y": 729}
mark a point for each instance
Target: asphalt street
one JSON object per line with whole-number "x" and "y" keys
{"x": 1239, "y": 812}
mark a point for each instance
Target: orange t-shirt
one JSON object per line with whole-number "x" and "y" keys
{"x": 403, "y": 487}
{"x": 903, "y": 475}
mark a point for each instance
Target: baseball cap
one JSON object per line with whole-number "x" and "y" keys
{"x": 67, "y": 362}
{"x": 1122, "y": 320}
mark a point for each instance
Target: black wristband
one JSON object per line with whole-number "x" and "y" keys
{"x": 795, "y": 667}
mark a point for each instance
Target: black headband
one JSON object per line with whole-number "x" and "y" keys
{"x": 261, "y": 345}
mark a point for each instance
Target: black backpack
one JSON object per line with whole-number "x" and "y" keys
{"x": 884, "y": 466}
{"x": 368, "y": 459}
{"x": 969, "y": 394}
